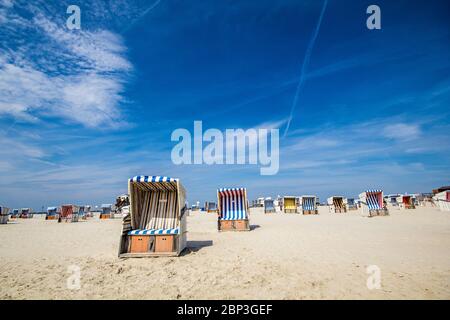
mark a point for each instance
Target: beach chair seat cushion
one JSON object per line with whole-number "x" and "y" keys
{"x": 234, "y": 216}
{"x": 153, "y": 232}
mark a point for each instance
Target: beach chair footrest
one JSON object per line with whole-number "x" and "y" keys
{"x": 234, "y": 225}
{"x": 379, "y": 212}
{"x": 157, "y": 244}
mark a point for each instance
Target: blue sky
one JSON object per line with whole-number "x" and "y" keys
{"x": 81, "y": 111}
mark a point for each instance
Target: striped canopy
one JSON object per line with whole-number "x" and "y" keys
{"x": 154, "y": 231}
{"x": 67, "y": 210}
{"x": 153, "y": 179}
{"x": 309, "y": 203}
{"x": 155, "y": 202}
{"x": 233, "y": 203}
{"x": 4, "y": 211}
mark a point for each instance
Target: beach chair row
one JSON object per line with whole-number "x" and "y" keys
{"x": 156, "y": 221}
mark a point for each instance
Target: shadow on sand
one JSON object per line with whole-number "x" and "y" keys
{"x": 194, "y": 246}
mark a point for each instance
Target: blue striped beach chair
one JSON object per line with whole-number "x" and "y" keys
{"x": 351, "y": 204}
{"x": 372, "y": 203}
{"x": 269, "y": 206}
{"x": 391, "y": 199}
{"x": 233, "y": 209}
{"x": 82, "y": 212}
{"x": 52, "y": 213}
{"x": 210, "y": 207}
{"x": 15, "y": 213}
{"x": 156, "y": 222}
{"x": 4, "y": 215}
{"x": 105, "y": 212}
{"x": 309, "y": 205}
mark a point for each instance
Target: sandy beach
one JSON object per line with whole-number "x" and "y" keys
{"x": 285, "y": 256}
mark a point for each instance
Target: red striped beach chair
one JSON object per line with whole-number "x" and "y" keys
{"x": 442, "y": 200}
{"x": 69, "y": 213}
{"x": 372, "y": 205}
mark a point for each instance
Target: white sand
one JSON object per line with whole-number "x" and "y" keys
{"x": 284, "y": 257}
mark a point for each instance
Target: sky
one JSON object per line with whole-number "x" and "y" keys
{"x": 81, "y": 111}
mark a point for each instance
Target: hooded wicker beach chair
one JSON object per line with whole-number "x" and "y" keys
{"x": 309, "y": 205}
{"x": 233, "y": 209}
{"x": 4, "y": 215}
{"x": 82, "y": 212}
{"x": 269, "y": 206}
{"x": 392, "y": 200}
{"x": 52, "y": 213}
{"x": 442, "y": 200}
{"x": 156, "y": 223}
{"x": 406, "y": 201}
{"x": 106, "y": 211}
{"x": 336, "y": 204}
{"x": 290, "y": 204}
{"x": 68, "y": 213}
{"x": 372, "y": 203}
{"x": 123, "y": 205}
{"x": 15, "y": 213}
{"x": 210, "y": 207}
{"x": 87, "y": 211}
{"x": 26, "y": 213}
{"x": 351, "y": 204}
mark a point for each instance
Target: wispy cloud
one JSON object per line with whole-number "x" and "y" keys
{"x": 402, "y": 131}
{"x": 75, "y": 75}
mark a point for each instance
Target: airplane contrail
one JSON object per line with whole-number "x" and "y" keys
{"x": 305, "y": 65}
{"x": 141, "y": 16}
